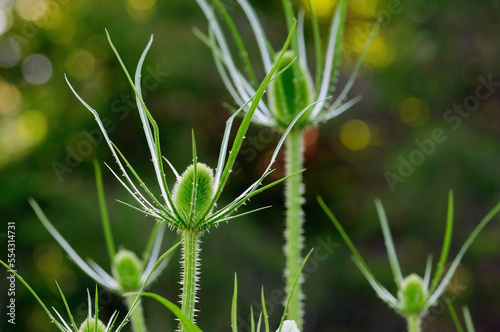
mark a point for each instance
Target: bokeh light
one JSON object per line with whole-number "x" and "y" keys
{"x": 142, "y": 5}
{"x": 10, "y": 52}
{"x": 31, "y": 10}
{"x": 80, "y": 63}
{"x": 366, "y": 8}
{"x": 31, "y": 127}
{"x": 355, "y": 135}
{"x": 140, "y": 10}
{"x": 413, "y": 111}
{"x": 10, "y": 97}
{"x": 4, "y": 21}
{"x": 37, "y": 69}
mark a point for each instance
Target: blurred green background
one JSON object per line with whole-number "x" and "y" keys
{"x": 430, "y": 59}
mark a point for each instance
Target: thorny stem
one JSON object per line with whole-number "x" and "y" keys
{"x": 137, "y": 317}
{"x": 190, "y": 264}
{"x": 294, "y": 190}
{"x": 414, "y": 323}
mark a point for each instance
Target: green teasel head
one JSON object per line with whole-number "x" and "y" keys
{"x": 413, "y": 295}
{"x": 127, "y": 270}
{"x": 92, "y": 325}
{"x": 291, "y": 92}
{"x": 193, "y": 192}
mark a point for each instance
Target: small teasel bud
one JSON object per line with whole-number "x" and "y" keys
{"x": 127, "y": 270}
{"x": 291, "y": 92}
{"x": 183, "y": 190}
{"x": 413, "y": 296}
{"x": 88, "y": 325}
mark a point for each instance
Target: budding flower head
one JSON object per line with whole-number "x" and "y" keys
{"x": 92, "y": 325}
{"x": 413, "y": 295}
{"x": 127, "y": 270}
{"x": 291, "y": 92}
{"x": 193, "y": 191}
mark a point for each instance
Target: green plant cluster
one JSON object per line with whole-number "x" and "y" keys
{"x": 287, "y": 98}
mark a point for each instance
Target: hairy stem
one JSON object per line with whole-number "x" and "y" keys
{"x": 190, "y": 263}
{"x": 137, "y": 318}
{"x": 414, "y": 323}
{"x": 294, "y": 190}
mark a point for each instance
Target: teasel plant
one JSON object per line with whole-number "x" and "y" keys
{"x": 415, "y": 295}
{"x": 92, "y": 323}
{"x": 190, "y": 207}
{"x": 288, "y": 95}
{"x": 128, "y": 271}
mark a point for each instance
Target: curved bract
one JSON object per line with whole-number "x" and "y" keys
{"x": 415, "y": 295}
{"x": 190, "y": 207}
{"x": 299, "y": 89}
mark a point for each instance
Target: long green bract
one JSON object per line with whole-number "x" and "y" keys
{"x": 246, "y": 121}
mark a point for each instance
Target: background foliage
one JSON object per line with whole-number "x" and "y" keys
{"x": 426, "y": 59}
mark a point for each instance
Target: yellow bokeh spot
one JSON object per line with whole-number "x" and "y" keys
{"x": 364, "y": 7}
{"x": 322, "y": 8}
{"x": 381, "y": 52}
{"x": 80, "y": 64}
{"x": 10, "y": 98}
{"x": 31, "y": 127}
{"x": 48, "y": 259}
{"x": 37, "y": 319}
{"x": 413, "y": 111}
{"x": 62, "y": 35}
{"x": 142, "y": 5}
{"x": 31, "y": 10}
{"x": 355, "y": 135}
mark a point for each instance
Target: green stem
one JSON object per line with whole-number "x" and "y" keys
{"x": 294, "y": 190}
{"x": 137, "y": 318}
{"x": 190, "y": 263}
{"x": 414, "y": 323}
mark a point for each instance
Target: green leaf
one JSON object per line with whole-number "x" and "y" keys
{"x": 239, "y": 42}
{"x": 264, "y": 310}
{"x": 234, "y": 306}
{"x": 446, "y": 244}
{"x": 470, "y": 239}
{"x": 468, "y": 319}
{"x": 44, "y": 307}
{"x": 187, "y": 324}
{"x": 106, "y": 226}
{"x": 297, "y": 277}
{"x": 389, "y": 244}
{"x": 381, "y": 291}
{"x": 67, "y": 247}
{"x": 453, "y": 315}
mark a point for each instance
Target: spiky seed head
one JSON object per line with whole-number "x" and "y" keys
{"x": 413, "y": 295}
{"x": 88, "y": 325}
{"x": 183, "y": 191}
{"x": 127, "y": 270}
{"x": 291, "y": 92}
